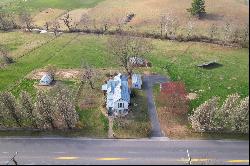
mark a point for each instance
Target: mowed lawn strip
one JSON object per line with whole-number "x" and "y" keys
{"x": 36, "y": 59}
{"x": 19, "y": 43}
{"x": 61, "y": 4}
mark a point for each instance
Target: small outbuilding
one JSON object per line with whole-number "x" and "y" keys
{"x": 46, "y": 80}
{"x": 136, "y": 81}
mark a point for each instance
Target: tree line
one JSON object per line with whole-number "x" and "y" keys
{"x": 54, "y": 110}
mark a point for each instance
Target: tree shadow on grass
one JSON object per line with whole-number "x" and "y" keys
{"x": 212, "y": 17}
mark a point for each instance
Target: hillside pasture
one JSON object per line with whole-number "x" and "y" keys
{"x": 61, "y": 4}
{"x": 19, "y": 44}
{"x": 148, "y": 12}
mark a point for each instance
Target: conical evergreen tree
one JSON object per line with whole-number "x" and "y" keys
{"x": 198, "y": 8}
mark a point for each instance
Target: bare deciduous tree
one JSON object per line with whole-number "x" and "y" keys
{"x": 88, "y": 74}
{"x": 227, "y": 31}
{"x": 169, "y": 24}
{"x": 125, "y": 47}
{"x": 10, "y": 104}
{"x": 25, "y": 17}
{"x": 51, "y": 70}
{"x": 85, "y": 21}
{"x": 190, "y": 28}
{"x": 64, "y": 104}
{"x": 7, "y": 21}
{"x": 47, "y": 25}
{"x": 213, "y": 31}
{"x": 68, "y": 21}
{"x": 119, "y": 22}
{"x": 4, "y": 56}
{"x": 44, "y": 107}
{"x": 55, "y": 27}
{"x": 27, "y": 107}
{"x": 105, "y": 24}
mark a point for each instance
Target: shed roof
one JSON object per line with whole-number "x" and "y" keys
{"x": 136, "y": 79}
{"x": 46, "y": 79}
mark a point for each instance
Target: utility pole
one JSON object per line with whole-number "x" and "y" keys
{"x": 189, "y": 158}
{"x": 13, "y": 159}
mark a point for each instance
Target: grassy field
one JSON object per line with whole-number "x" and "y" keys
{"x": 57, "y": 4}
{"x": 136, "y": 124}
{"x": 177, "y": 60}
{"x": 147, "y": 14}
{"x": 61, "y": 4}
{"x": 20, "y": 44}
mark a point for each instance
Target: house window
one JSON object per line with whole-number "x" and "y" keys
{"x": 120, "y": 105}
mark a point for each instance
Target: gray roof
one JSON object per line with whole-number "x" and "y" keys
{"x": 117, "y": 89}
{"x": 136, "y": 79}
{"x": 46, "y": 79}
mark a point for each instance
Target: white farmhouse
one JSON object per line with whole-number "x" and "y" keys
{"x": 136, "y": 81}
{"x": 118, "y": 95}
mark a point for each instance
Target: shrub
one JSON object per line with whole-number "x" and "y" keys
{"x": 221, "y": 117}
{"x": 202, "y": 118}
{"x": 240, "y": 117}
{"x": 232, "y": 116}
{"x": 10, "y": 107}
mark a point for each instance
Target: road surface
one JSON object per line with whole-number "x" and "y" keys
{"x": 148, "y": 82}
{"x": 110, "y": 151}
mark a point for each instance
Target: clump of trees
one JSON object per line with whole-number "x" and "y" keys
{"x": 168, "y": 24}
{"x": 26, "y": 18}
{"x": 232, "y": 116}
{"x": 124, "y": 47}
{"x": 7, "y": 21}
{"x": 46, "y": 111}
{"x": 198, "y": 8}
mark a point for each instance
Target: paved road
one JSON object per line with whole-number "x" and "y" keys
{"x": 148, "y": 82}
{"x": 110, "y": 151}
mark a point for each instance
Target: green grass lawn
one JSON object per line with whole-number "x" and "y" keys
{"x": 62, "y": 4}
{"x": 136, "y": 124}
{"x": 59, "y": 4}
{"x": 179, "y": 60}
